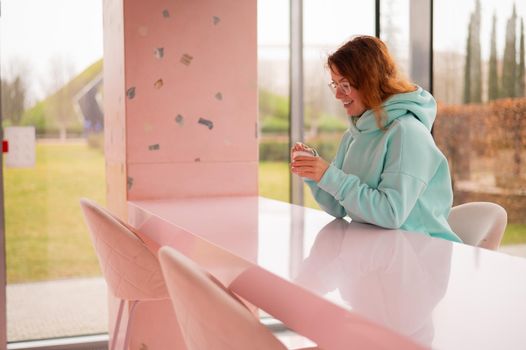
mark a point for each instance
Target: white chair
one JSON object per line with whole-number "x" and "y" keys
{"x": 480, "y": 224}
{"x": 132, "y": 272}
{"x": 210, "y": 316}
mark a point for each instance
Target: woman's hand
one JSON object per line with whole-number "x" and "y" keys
{"x": 310, "y": 167}
{"x": 298, "y": 146}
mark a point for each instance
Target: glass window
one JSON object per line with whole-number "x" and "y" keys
{"x": 394, "y": 31}
{"x": 326, "y": 26}
{"x": 273, "y": 80}
{"x": 479, "y": 84}
{"x": 51, "y": 64}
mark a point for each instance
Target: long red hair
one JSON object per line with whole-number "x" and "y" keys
{"x": 366, "y": 62}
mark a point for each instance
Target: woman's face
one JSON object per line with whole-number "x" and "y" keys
{"x": 351, "y": 98}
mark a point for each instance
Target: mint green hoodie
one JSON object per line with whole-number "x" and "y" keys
{"x": 396, "y": 178}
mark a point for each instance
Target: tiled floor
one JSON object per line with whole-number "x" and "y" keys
{"x": 73, "y": 307}
{"x": 56, "y": 309}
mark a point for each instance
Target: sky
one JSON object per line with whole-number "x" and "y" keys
{"x": 325, "y": 22}
{"x": 35, "y": 33}
{"x": 452, "y": 17}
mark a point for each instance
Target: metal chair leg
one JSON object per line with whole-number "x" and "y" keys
{"x": 133, "y": 303}
{"x": 117, "y": 325}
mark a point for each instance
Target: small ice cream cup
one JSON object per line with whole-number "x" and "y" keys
{"x": 302, "y": 153}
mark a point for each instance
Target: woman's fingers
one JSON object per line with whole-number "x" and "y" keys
{"x": 306, "y": 158}
{"x": 309, "y": 167}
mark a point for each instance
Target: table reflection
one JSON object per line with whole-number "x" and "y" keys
{"x": 392, "y": 277}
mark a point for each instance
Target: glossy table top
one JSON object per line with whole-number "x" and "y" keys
{"x": 442, "y": 295}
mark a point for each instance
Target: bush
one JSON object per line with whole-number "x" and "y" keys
{"x": 329, "y": 123}
{"x": 46, "y": 125}
{"x": 274, "y": 149}
{"x": 36, "y": 117}
{"x": 464, "y": 132}
{"x": 271, "y": 124}
{"x": 271, "y": 104}
{"x": 326, "y": 144}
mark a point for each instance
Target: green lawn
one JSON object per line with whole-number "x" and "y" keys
{"x": 274, "y": 183}
{"x": 46, "y": 237}
{"x": 45, "y": 231}
{"x": 515, "y": 234}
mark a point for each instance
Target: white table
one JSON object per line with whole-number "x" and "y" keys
{"x": 328, "y": 278}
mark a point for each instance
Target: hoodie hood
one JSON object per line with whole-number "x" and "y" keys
{"x": 419, "y": 103}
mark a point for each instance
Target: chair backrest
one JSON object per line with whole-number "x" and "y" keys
{"x": 479, "y": 223}
{"x": 209, "y": 315}
{"x": 131, "y": 271}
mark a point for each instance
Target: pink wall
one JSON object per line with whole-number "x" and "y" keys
{"x": 180, "y": 98}
{"x": 114, "y": 107}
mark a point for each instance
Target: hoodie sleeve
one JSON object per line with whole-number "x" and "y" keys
{"x": 325, "y": 199}
{"x": 408, "y": 164}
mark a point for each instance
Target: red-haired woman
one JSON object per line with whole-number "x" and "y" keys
{"x": 388, "y": 170}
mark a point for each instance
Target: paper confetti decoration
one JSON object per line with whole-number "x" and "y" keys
{"x": 179, "y": 120}
{"x": 206, "y": 122}
{"x": 129, "y": 182}
{"x": 143, "y": 31}
{"x": 148, "y": 127}
{"x": 166, "y": 14}
{"x": 186, "y": 59}
{"x": 154, "y": 147}
{"x": 130, "y": 93}
{"x": 216, "y": 20}
{"x": 159, "y": 52}
{"x": 219, "y": 96}
{"x": 158, "y": 84}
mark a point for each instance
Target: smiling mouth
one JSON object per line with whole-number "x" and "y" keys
{"x": 347, "y": 104}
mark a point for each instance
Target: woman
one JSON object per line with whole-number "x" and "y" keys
{"x": 388, "y": 170}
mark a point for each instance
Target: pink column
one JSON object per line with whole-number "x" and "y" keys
{"x": 180, "y": 104}
{"x": 180, "y": 90}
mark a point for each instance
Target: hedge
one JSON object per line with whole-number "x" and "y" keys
{"x": 489, "y": 130}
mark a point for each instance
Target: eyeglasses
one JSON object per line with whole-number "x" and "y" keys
{"x": 344, "y": 87}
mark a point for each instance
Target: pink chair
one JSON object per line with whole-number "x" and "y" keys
{"x": 131, "y": 271}
{"x": 211, "y": 317}
{"x": 479, "y": 224}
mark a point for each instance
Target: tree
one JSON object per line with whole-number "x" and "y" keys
{"x": 476, "y": 63}
{"x": 517, "y": 149}
{"x": 467, "y": 69}
{"x": 521, "y": 68}
{"x": 493, "y": 78}
{"x": 13, "y": 99}
{"x": 473, "y": 68}
{"x": 509, "y": 69}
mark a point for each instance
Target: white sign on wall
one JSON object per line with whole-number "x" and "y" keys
{"x": 22, "y": 146}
